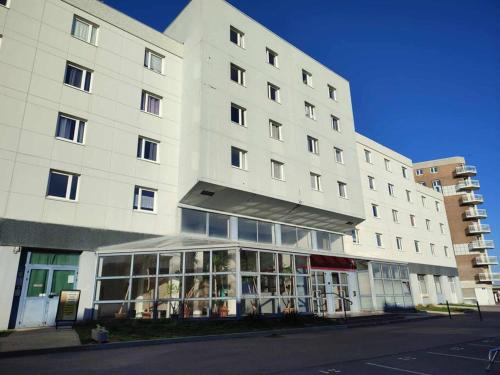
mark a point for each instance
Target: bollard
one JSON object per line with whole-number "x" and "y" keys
{"x": 448, "y": 306}
{"x": 479, "y": 311}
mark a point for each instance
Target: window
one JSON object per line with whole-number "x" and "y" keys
{"x": 408, "y": 195}
{"x": 315, "y": 181}
{"x": 387, "y": 164}
{"x": 434, "y": 169}
{"x": 412, "y": 220}
{"x": 419, "y": 172}
{"x": 339, "y": 155}
{"x": 5, "y": 3}
{"x": 310, "y": 110}
{"x": 417, "y": 246}
{"x": 422, "y": 183}
{"x": 275, "y": 130}
{"x": 273, "y": 92}
{"x": 342, "y": 189}
{"x": 335, "y": 123}
{"x": 371, "y": 182}
{"x": 378, "y": 238}
{"x": 153, "y": 61}
{"x": 147, "y": 149}
{"x": 390, "y": 188}
{"x": 445, "y": 251}
{"x": 237, "y": 74}
{"x": 71, "y": 129}
{"x": 438, "y": 206}
{"x": 83, "y": 30}
{"x": 307, "y": 78}
{"x": 433, "y": 250}
{"x": 368, "y": 156}
{"x": 144, "y": 199}
{"x": 404, "y": 170}
{"x": 277, "y": 170}
{"x": 355, "y": 236}
{"x": 399, "y": 243}
{"x": 237, "y": 37}
{"x": 441, "y": 228}
{"x": 395, "y": 217}
{"x": 151, "y": 103}
{"x": 428, "y": 224}
{"x": 238, "y": 158}
{"x": 332, "y": 92}
{"x": 238, "y": 115}
{"x": 423, "y": 201}
{"x": 63, "y": 185}
{"x": 78, "y": 77}
{"x": 436, "y": 185}
{"x": 312, "y": 145}
{"x": 375, "y": 210}
{"x": 272, "y": 57}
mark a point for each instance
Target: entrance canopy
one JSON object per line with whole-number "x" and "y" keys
{"x": 323, "y": 262}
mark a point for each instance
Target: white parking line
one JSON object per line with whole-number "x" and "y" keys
{"x": 482, "y": 345}
{"x": 397, "y": 369}
{"x": 459, "y": 356}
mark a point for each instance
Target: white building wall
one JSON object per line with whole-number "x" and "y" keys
{"x": 9, "y": 260}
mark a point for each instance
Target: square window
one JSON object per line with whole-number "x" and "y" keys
{"x": 417, "y": 246}
{"x": 433, "y": 249}
{"x": 273, "y": 92}
{"x": 335, "y": 123}
{"x": 62, "y": 185}
{"x": 371, "y": 182}
{"x": 342, "y": 189}
{"x": 82, "y": 29}
{"x": 339, "y": 155}
{"x": 419, "y": 172}
{"x": 275, "y": 130}
{"x": 70, "y": 128}
{"x": 315, "y": 181}
{"x": 428, "y": 224}
{"x": 238, "y": 158}
{"x": 310, "y": 110}
{"x": 387, "y": 164}
{"x": 434, "y": 169}
{"x": 238, "y": 115}
{"x": 355, "y": 236}
{"x": 277, "y": 170}
{"x": 237, "y": 37}
{"x": 375, "y": 211}
{"x": 312, "y": 145}
{"x": 78, "y": 77}
{"x": 153, "y": 61}
{"x": 378, "y": 238}
{"x": 144, "y": 199}
{"x": 272, "y": 57}
{"x": 408, "y": 195}
{"x": 151, "y": 103}
{"x": 441, "y": 228}
{"x": 390, "y": 188}
{"x": 436, "y": 185}
{"x": 147, "y": 149}
{"x": 404, "y": 170}
{"x": 332, "y": 92}
{"x": 5, "y": 3}
{"x": 395, "y": 217}
{"x": 399, "y": 243}
{"x": 413, "y": 221}
{"x": 237, "y": 74}
{"x": 423, "y": 201}
{"x": 307, "y": 78}
{"x": 368, "y": 156}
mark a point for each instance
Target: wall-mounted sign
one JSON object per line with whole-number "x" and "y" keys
{"x": 67, "y": 309}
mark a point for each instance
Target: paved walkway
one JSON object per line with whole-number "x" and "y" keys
{"x": 42, "y": 338}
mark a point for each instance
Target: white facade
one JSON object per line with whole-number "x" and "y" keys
{"x": 158, "y": 122}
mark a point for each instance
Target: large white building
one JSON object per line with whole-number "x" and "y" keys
{"x": 213, "y": 170}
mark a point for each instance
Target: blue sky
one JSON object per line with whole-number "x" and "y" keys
{"x": 424, "y": 74}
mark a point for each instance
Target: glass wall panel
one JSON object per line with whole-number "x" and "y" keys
{"x": 197, "y": 261}
{"x": 224, "y": 286}
{"x": 224, "y": 261}
{"x": 301, "y": 264}
{"x": 248, "y": 261}
{"x": 112, "y": 290}
{"x": 265, "y": 232}
{"x": 303, "y": 305}
{"x": 288, "y": 236}
{"x": 169, "y": 287}
{"x": 304, "y": 238}
{"x": 144, "y": 264}
{"x": 60, "y": 259}
{"x": 218, "y": 225}
{"x": 267, "y": 262}
{"x": 390, "y": 284}
{"x": 377, "y": 270}
{"x": 224, "y": 308}
{"x": 142, "y": 309}
{"x": 197, "y": 286}
{"x": 268, "y": 305}
{"x": 196, "y": 309}
{"x": 337, "y": 243}
{"x": 168, "y": 309}
{"x": 247, "y": 230}
{"x": 285, "y": 263}
{"x": 287, "y": 305}
{"x": 249, "y": 285}
{"x": 302, "y": 286}
{"x": 287, "y": 285}
{"x": 143, "y": 288}
{"x": 268, "y": 285}
{"x": 111, "y": 310}
{"x": 194, "y": 221}
{"x": 250, "y": 306}
{"x": 323, "y": 240}
{"x": 118, "y": 265}
{"x": 170, "y": 263}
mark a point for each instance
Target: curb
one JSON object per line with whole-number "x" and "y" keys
{"x": 178, "y": 340}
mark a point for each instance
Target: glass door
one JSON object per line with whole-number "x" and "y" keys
{"x": 340, "y": 289}
{"x": 319, "y": 293}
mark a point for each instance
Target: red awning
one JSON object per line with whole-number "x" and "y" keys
{"x": 323, "y": 262}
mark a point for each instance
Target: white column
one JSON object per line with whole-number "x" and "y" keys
{"x": 372, "y": 286}
{"x": 458, "y": 289}
{"x": 416, "y": 294}
{"x": 9, "y": 262}
{"x": 446, "y": 290}
{"x": 431, "y": 289}
{"x": 86, "y": 283}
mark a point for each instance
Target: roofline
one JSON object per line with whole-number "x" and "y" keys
{"x": 443, "y": 161}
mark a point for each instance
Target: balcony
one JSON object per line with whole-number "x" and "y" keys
{"x": 489, "y": 277}
{"x": 467, "y": 184}
{"x": 485, "y": 261}
{"x": 465, "y": 170}
{"x": 481, "y": 245}
{"x": 472, "y": 198}
{"x": 478, "y": 229}
{"x": 475, "y": 213}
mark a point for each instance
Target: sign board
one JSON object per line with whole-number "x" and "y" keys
{"x": 67, "y": 309}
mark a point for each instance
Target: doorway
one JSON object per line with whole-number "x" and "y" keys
{"x": 46, "y": 274}
{"x": 329, "y": 287}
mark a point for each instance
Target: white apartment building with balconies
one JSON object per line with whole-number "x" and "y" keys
{"x": 213, "y": 170}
